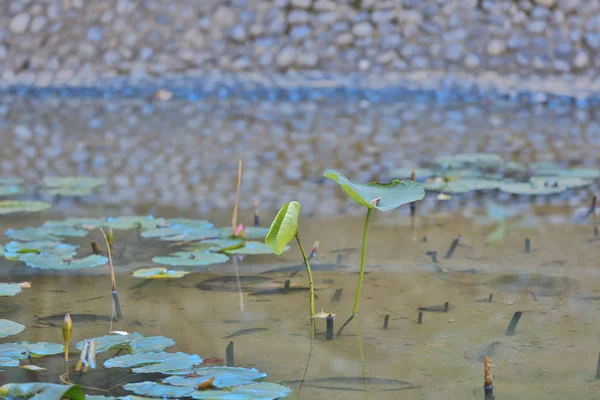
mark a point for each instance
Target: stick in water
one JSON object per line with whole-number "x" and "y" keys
{"x": 452, "y": 248}
{"x": 490, "y": 297}
{"x": 513, "y": 323}
{"x": 598, "y": 368}
{"x": 527, "y": 245}
{"x": 446, "y": 306}
{"x": 386, "y": 320}
{"x": 329, "y": 333}
{"x": 229, "y": 355}
{"x": 237, "y": 198}
{"x": 420, "y": 320}
{"x": 286, "y": 286}
{"x": 256, "y": 214}
{"x": 337, "y": 295}
{"x": 488, "y": 384}
{"x": 115, "y": 304}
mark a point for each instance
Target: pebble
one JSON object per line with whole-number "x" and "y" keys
{"x": 302, "y": 3}
{"x": 286, "y": 57}
{"x": 496, "y": 47}
{"x": 362, "y": 29}
{"x": 19, "y": 23}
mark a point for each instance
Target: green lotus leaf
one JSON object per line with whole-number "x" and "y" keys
{"x": 156, "y": 389}
{"x": 11, "y": 190}
{"x": 30, "y": 234}
{"x": 41, "y": 391}
{"x": 547, "y": 165}
{"x": 383, "y": 197}
{"x": 14, "y": 250}
{"x": 284, "y": 227}
{"x": 225, "y": 377}
{"x": 56, "y": 261}
{"x": 191, "y": 258}
{"x": 135, "y": 222}
{"x": 529, "y": 188}
{"x": 134, "y": 342}
{"x": 436, "y": 185}
{"x": 563, "y": 181}
{"x": 181, "y": 232}
{"x": 253, "y": 248}
{"x": 480, "y": 160}
{"x": 9, "y": 289}
{"x": 162, "y": 362}
{"x": 17, "y": 206}
{"x": 10, "y": 328}
{"x": 159, "y": 273}
{"x": 76, "y": 223}
{"x": 11, "y": 353}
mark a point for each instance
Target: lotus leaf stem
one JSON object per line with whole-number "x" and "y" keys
{"x": 310, "y": 279}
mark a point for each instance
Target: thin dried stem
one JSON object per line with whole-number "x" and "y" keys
{"x": 237, "y": 198}
{"x": 112, "y": 268}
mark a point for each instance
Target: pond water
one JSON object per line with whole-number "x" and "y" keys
{"x": 132, "y": 143}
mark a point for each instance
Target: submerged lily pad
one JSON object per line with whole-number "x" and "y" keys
{"x": 159, "y": 273}
{"x": 255, "y": 391}
{"x": 11, "y": 190}
{"x": 31, "y": 233}
{"x": 383, "y": 197}
{"x": 10, "y": 328}
{"x": 56, "y": 261}
{"x": 9, "y": 289}
{"x": 529, "y": 188}
{"x": 11, "y": 353}
{"x": 181, "y": 232}
{"x": 225, "y": 377}
{"x": 191, "y": 259}
{"x": 17, "y": 206}
{"x": 134, "y": 342}
{"x": 41, "y": 391}
{"x": 135, "y": 222}
{"x": 161, "y": 362}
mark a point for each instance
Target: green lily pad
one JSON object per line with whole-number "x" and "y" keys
{"x": 71, "y": 186}
{"x": 254, "y": 391}
{"x": 189, "y": 223}
{"x": 406, "y": 173}
{"x": 11, "y": 190}
{"x": 135, "y": 222}
{"x": 76, "y": 223}
{"x": 480, "y": 160}
{"x": 383, "y": 197}
{"x": 252, "y": 233}
{"x": 56, "y": 261}
{"x": 41, "y": 391}
{"x": 14, "y": 250}
{"x": 563, "y": 181}
{"x": 89, "y": 397}
{"x": 68, "y": 191}
{"x": 253, "y": 248}
{"x": 11, "y": 353}
{"x": 216, "y": 245}
{"x": 11, "y": 181}
{"x": 181, "y": 233}
{"x": 191, "y": 258}
{"x": 134, "y": 342}
{"x": 470, "y": 185}
{"x": 161, "y": 362}
{"x": 529, "y": 188}
{"x": 10, "y": 328}
{"x": 159, "y": 273}
{"x": 17, "y": 206}
{"x": 515, "y": 167}
{"x": 435, "y": 185}
{"x": 225, "y": 377}
{"x": 29, "y": 234}
{"x": 9, "y": 289}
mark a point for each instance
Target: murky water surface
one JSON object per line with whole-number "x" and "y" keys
{"x": 153, "y": 158}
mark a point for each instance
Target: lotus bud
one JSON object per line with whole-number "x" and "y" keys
{"x": 67, "y": 328}
{"x": 240, "y": 231}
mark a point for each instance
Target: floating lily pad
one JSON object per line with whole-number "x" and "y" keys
{"x": 134, "y": 342}
{"x": 515, "y": 167}
{"x": 253, "y": 247}
{"x": 71, "y": 186}
{"x": 17, "y": 206}
{"x": 469, "y": 185}
{"x": 161, "y": 362}
{"x": 135, "y": 222}
{"x": 216, "y": 245}
{"x": 9, "y": 289}
{"x": 10, "y": 328}
{"x": 406, "y": 173}
{"x": 159, "y": 273}
{"x": 15, "y": 250}
{"x": 481, "y": 160}
{"x": 383, "y": 197}
{"x": 55, "y": 261}
{"x": 189, "y": 223}
{"x": 256, "y": 391}
{"x": 11, "y": 190}
{"x": 30, "y": 233}
{"x": 11, "y": 181}
{"x": 76, "y": 223}
{"x": 41, "y": 391}
{"x": 562, "y": 181}
{"x": 529, "y": 188}
{"x": 225, "y": 377}
{"x": 436, "y": 185}
{"x": 11, "y": 353}
{"x": 191, "y": 259}
{"x": 181, "y": 233}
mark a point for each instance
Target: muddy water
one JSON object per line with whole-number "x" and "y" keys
{"x": 552, "y": 354}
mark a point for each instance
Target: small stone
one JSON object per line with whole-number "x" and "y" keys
{"x": 544, "y": 3}
{"x": 380, "y": 17}
{"x": 563, "y": 49}
{"x": 95, "y": 33}
{"x": 2, "y": 52}
{"x": 300, "y": 32}
{"x": 536, "y": 26}
{"x": 561, "y": 65}
{"x": 387, "y": 57}
{"x": 19, "y": 23}
{"x": 286, "y": 57}
{"x": 362, "y": 29}
{"x": 496, "y": 47}
{"x": 38, "y": 24}
{"x": 582, "y": 60}
{"x": 308, "y": 60}
{"x": 324, "y": 5}
{"x": 568, "y": 5}
{"x": 238, "y": 33}
{"x": 302, "y": 3}
{"x": 453, "y": 51}
{"x": 299, "y": 17}
{"x": 364, "y": 65}
{"x": 224, "y": 17}
{"x": 344, "y": 39}
{"x": 472, "y": 61}
{"x": 241, "y": 63}
{"x": 592, "y": 39}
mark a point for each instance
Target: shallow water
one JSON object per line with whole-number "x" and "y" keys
{"x": 552, "y": 354}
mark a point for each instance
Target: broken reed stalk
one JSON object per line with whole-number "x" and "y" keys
{"x": 286, "y": 286}
{"x": 513, "y": 323}
{"x": 386, "y": 320}
{"x": 362, "y": 272}
{"x": 598, "y": 368}
{"x": 420, "y": 320}
{"x": 229, "y": 359}
{"x": 237, "y": 198}
{"x": 452, "y": 248}
{"x": 488, "y": 384}
{"x": 116, "y": 305}
{"x": 527, "y": 245}
{"x": 413, "y": 205}
{"x": 329, "y": 332}
{"x": 95, "y": 247}
{"x": 491, "y": 297}
{"x": 256, "y": 214}
{"x": 337, "y": 295}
